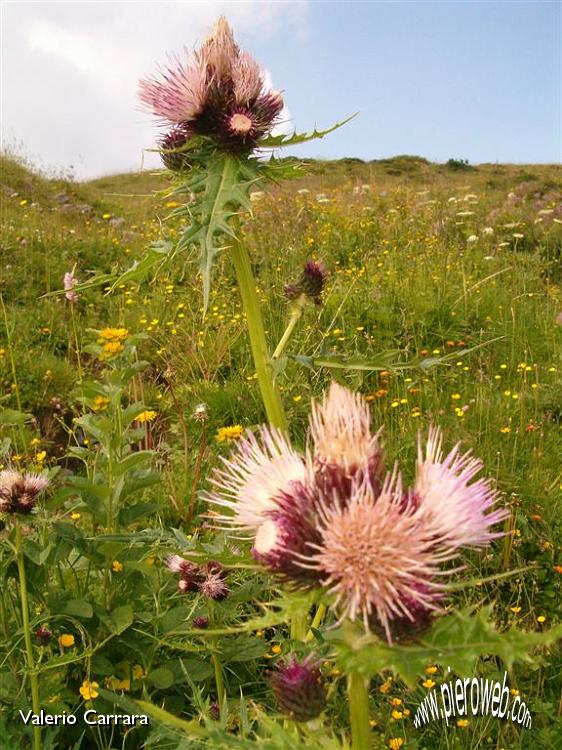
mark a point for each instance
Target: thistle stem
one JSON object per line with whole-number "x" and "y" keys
{"x": 318, "y": 618}
{"x": 296, "y": 315}
{"x": 247, "y": 285}
{"x": 358, "y": 698}
{"x": 299, "y": 626}
{"x": 27, "y": 637}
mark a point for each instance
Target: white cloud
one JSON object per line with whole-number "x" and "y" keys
{"x": 70, "y": 72}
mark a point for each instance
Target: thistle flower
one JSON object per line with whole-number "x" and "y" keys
{"x": 253, "y": 477}
{"x": 200, "y": 413}
{"x": 376, "y": 556}
{"x": 298, "y": 688}
{"x": 309, "y": 285}
{"x": 70, "y": 282}
{"x": 19, "y": 492}
{"x": 453, "y": 505}
{"x": 43, "y": 636}
{"x": 343, "y": 442}
{"x": 213, "y": 587}
{"x": 219, "y": 93}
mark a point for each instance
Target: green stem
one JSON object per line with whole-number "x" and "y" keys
{"x": 296, "y": 315}
{"x": 318, "y": 618}
{"x": 358, "y": 698}
{"x": 27, "y": 637}
{"x": 247, "y": 285}
{"x": 219, "y": 681}
{"x": 299, "y": 626}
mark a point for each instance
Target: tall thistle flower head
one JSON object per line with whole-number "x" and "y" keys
{"x": 340, "y": 427}
{"x": 19, "y": 492}
{"x": 376, "y": 556}
{"x": 298, "y": 688}
{"x": 459, "y": 508}
{"x": 309, "y": 286}
{"x": 220, "y": 93}
{"x": 253, "y": 477}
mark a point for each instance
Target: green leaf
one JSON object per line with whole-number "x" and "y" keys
{"x": 79, "y": 608}
{"x": 121, "y": 618}
{"x": 134, "y": 512}
{"x": 294, "y": 138}
{"x": 161, "y": 678}
{"x": 458, "y": 641}
{"x": 14, "y": 417}
{"x": 220, "y": 190}
{"x": 159, "y": 253}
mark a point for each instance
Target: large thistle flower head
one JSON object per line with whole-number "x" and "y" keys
{"x": 19, "y": 492}
{"x": 344, "y": 445}
{"x": 376, "y": 556}
{"x": 459, "y": 508}
{"x": 253, "y": 477}
{"x": 220, "y": 92}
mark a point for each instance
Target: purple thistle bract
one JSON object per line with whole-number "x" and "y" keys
{"x": 309, "y": 285}
{"x": 299, "y": 689}
{"x": 220, "y": 92}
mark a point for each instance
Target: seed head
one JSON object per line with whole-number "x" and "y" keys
{"x": 299, "y": 689}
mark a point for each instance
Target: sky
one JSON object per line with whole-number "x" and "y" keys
{"x": 472, "y": 80}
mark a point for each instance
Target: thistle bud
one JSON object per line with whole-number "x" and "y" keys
{"x": 309, "y": 286}
{"x": 298, "y": 688}
{"x": 171, "y": 144}
{"x": 42, "y": 636}
{"x": 202, "y": 622}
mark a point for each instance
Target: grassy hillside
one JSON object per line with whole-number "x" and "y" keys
{"x": 426, "y": 261}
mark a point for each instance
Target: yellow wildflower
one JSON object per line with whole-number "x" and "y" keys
{"x": 462, "y": 723}
{"x": 66, "y": 640}
{"x": 396, "y": 743}
{"x": 88, "y": 690}
{"x": 117, "y": 566}
{"x": 227, "y": 434}
{"x": 100, "y": 403}
{"x": 147, "y": 416}
{"x": 428, "y": 684}
{"x": 138, "y": 672}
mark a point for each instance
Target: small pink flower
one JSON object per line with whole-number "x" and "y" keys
{"x": 70, "y": 281}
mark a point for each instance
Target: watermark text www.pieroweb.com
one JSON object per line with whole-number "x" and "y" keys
{"x": 474, "y": 696}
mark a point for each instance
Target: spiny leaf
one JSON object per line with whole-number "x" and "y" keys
{"x": 294, "y": 138}
{"x": 458, "y": 641}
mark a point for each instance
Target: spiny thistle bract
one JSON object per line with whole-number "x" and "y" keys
{"x": 334, "y": 520}
{"x": 219, "y": 93}
{"x": 298, "y": 688}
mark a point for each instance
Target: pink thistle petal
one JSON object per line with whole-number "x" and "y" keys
{"x": 178, "y": 95}
{"x": 377, "y": 557}
{"x": 259, "y": 469}
{"x": 450, "y": 500}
